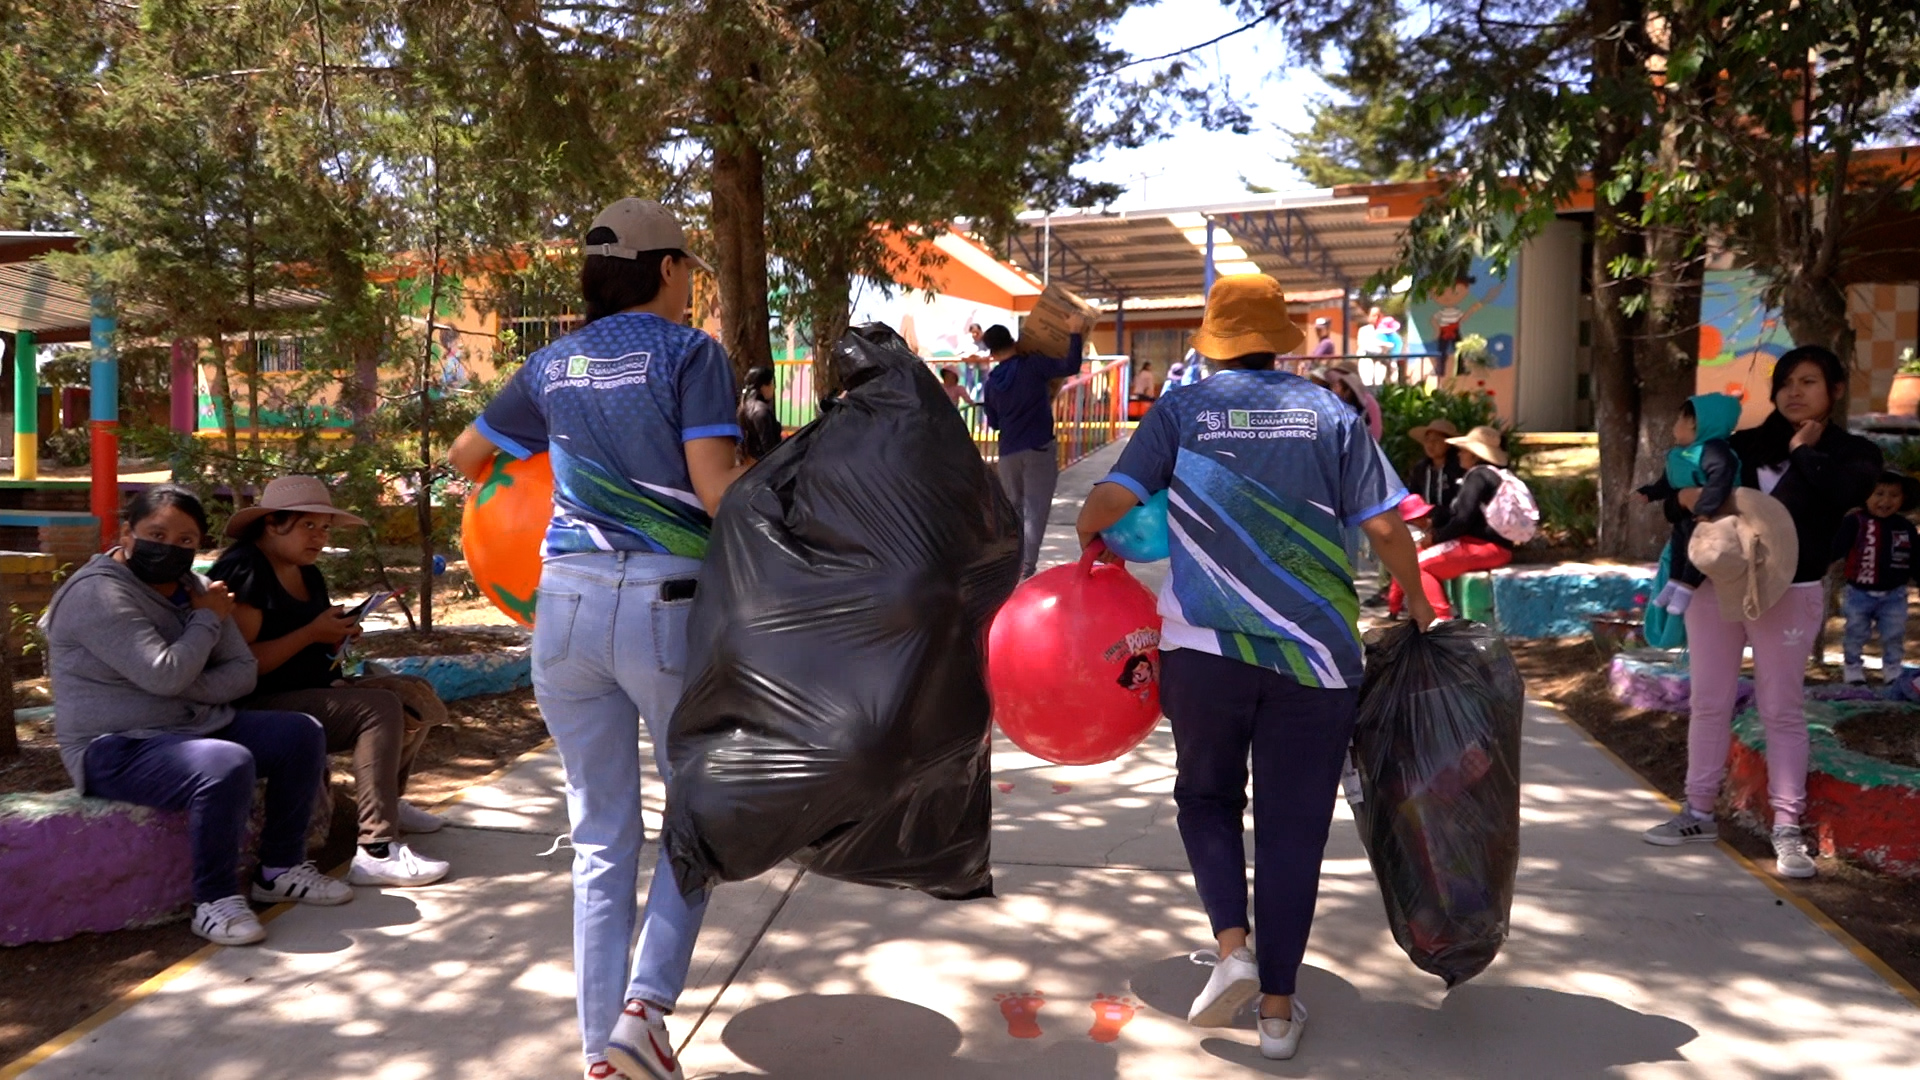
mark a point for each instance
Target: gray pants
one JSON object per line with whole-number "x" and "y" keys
{"x": 1029, "y": 477}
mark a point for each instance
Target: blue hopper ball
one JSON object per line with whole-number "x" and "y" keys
{"x": 439, "y": 565}
{"x": 1141, "y": 536}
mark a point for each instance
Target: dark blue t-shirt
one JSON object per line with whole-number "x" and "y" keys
{"x": 1265, "y": 470}
{"x": 1017, "y": 401}
{"x": 613, "y": 403}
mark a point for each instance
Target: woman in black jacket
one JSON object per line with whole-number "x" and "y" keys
{"x": 759, "y": 425}
{"x": 1818, "y": 471}
{"x": 1465, "y": 542}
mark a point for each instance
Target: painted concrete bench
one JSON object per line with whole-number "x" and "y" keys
{"x": 1557, "y": 600}
{"x": 71, "y": 865}
{"x": 1657, "y": 679}
{"x": 465, "y": 675}
{"x": 1858, "y": 806}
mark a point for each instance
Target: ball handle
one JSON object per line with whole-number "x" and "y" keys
{"x": 1091, "y": 557}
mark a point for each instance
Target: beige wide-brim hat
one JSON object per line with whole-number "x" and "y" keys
{"x": 1246, "y": 313}
{"x": 1442, "y": 425}
{"x": 297, "y": 494}
{"x": 1749, "y": 551}
{"x": 1484, "y": 443}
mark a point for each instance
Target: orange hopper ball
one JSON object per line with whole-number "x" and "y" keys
{"x": 1073, "y": 663}
{"x": 501, "y": 529}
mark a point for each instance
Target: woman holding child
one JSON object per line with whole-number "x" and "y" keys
{"x": 1817, "y": 472}
{"x": 146, "y": 664}
{"x": 296, "y": 634}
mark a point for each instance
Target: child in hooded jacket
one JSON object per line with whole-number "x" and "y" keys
{"x": 1701, "y": 458}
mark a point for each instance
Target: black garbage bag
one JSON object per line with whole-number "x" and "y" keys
{"x": 836, "y": 707}
{"x": 1437, "y": 748}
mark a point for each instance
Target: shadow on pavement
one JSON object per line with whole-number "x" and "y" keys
{"x": 834, "y": 1036}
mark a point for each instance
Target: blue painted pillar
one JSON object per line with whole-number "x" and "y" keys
{"x": 1207, "y": 288}
{"x": 105, "y": 442}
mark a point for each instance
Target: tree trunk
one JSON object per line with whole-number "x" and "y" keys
{"x": 1667, "y": 362}
{"x": 223, "y": 393}
{"x": 740, "y": 233}
{"x": 828, "y": 307}
{"x": 1616, "y": 333}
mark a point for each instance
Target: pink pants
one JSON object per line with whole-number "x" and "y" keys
{"x": 1442, "y": 563}
{"x": 1782, "y": 640}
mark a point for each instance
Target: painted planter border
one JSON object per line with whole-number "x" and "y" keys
{"x": 1558, "y": 600}
{"x": 1858, "y": 806}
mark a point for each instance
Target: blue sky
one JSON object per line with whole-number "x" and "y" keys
{"x": 1195, "y": 165}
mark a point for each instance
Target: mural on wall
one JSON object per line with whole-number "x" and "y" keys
{"x": 1740, "y": 338}
{"x": 1479, "y": 304}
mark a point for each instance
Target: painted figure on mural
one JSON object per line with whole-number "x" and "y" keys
{"x": 1450, "y": 321}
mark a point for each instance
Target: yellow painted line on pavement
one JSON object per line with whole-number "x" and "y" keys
{"x": 19, "y": 1066}
{"x": 1805, "y": 906}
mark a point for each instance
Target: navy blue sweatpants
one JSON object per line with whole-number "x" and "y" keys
{"x": 1223, "y": 713}
{"x": 211, "y": 777}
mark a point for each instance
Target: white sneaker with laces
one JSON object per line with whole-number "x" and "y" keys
{"x": 415, "y": 820}
{"x": 228, "y": 921}
{"x": 639, "y": 1045}
{"x": 1280, "y": 1039}
{"x": 403, "y": 867}
{"x": 303, "y": 884}
{"x": 1235, "y": 982}
{"x": 1790, "y": 856}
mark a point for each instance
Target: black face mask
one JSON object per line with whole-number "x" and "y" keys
{"x": 159, "y": 564}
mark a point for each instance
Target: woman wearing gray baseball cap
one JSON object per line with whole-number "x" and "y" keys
{"x": 636, "y": 413}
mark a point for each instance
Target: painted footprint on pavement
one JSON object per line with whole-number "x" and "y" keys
{"x": 1022, "y": 1012}
{"x": 1062, "y": 789}
{"x": 1004, "y": 787}
{"x": 1110, "y": 1014}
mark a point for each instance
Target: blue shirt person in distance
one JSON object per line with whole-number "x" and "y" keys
{"x": 1019, "y": 406}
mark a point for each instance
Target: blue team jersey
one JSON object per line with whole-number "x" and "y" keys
{"x": 612, "y": 403}
{"x": 1265, "y": 470}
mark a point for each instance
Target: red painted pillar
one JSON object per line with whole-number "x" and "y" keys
{"x": 105, "y": 441}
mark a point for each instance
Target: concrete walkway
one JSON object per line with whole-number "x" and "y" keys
{"x": 1625, "y": 960}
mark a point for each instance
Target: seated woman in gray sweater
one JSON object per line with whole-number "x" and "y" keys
{"x": 145, "y": 660}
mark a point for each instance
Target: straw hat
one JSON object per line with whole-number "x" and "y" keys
{"x": 1749, "y": 552}
{"x": 299, "y": 494}
{"x": 1442, "y": 425}
{"x": 1246, "y": 313}
{"x": 1484, "y": 442}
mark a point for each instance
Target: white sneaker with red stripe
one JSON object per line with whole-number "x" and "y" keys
{"x": 639, "y": 1045}
{"x": 604, "y": 1070}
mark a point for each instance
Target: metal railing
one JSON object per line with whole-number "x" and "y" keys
{"x": 1089, "y": 410}
{"x": 1374, "y": 370}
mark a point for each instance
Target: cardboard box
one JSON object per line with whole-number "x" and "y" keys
{"x": 1044, "y": 333}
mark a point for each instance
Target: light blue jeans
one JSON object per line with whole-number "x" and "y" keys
{"x": 608, "y": 653}
{"x": 1868, "y": 611}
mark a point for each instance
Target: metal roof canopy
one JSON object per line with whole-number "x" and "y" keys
{"x": 1308, "y": 241}
{"x": 32, "y": 297}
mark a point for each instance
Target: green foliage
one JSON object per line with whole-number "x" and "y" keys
{"x": 68, "y": 447}
{"x": 1909, "y": 362}
{"x": 1903, "y": 456}
{"x": 1569, "y": 509}
{"x": 1375, "y": 132}
{"x": 1403, "y": 408}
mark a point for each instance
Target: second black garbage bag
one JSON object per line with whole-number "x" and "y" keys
{"x": 1437, "y": 748}
{"x": 836, "y": 707}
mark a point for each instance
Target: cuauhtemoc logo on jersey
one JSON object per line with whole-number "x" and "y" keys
{"x": 1260, "y": 424}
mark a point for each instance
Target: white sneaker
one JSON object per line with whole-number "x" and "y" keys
{"x": 402, "y": 867}
{"x": 1790, "y": 856}
{"x": 415, "y": 820}
{"x": 228, "y": 921}
{"x": 1854, "y": 674}
{"x": 1235, "y": 982}
{"x": 604, "y": 1070}
{"x": 303, "y": 884}
{"x": 639, "y": 1045}
{"x": 1279, "y": 1039}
